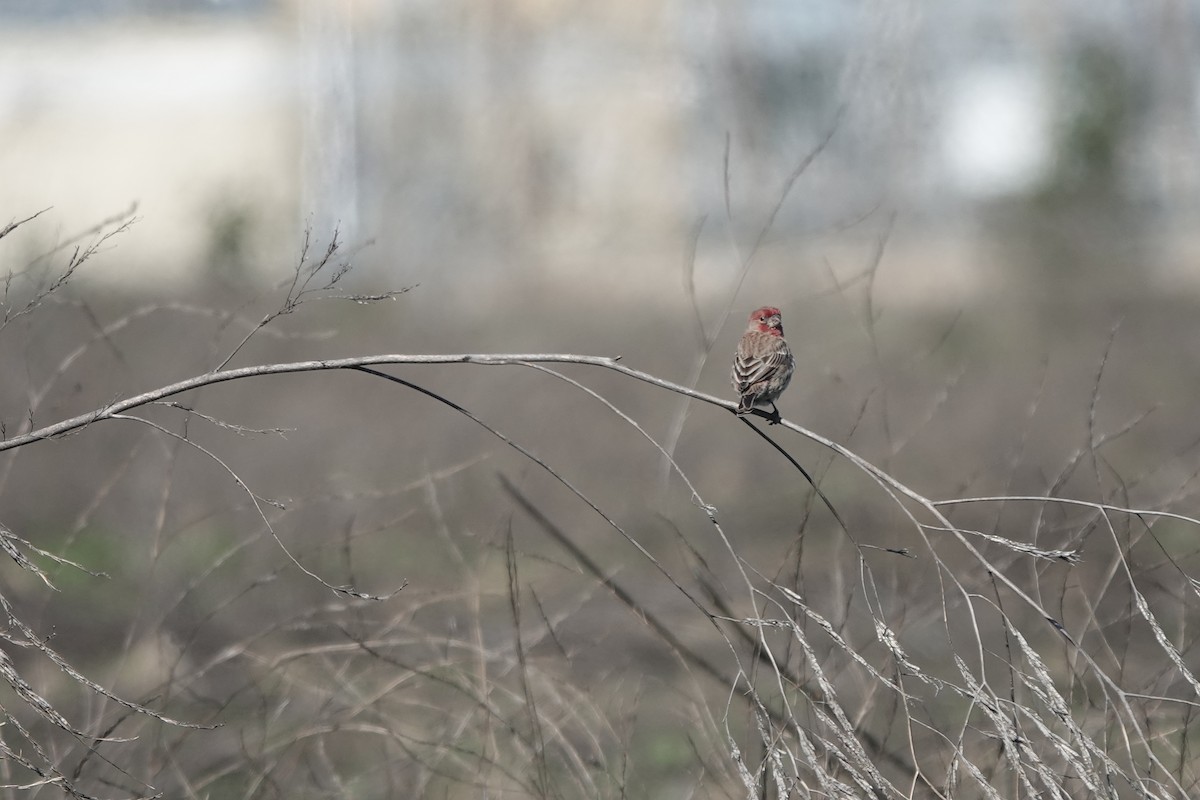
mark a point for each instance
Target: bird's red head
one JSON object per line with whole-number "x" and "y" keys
{"x": 768, "y": 320}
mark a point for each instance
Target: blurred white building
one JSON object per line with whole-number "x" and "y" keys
{"x": 454, "y": 125}
{"x": 187, "y": 118}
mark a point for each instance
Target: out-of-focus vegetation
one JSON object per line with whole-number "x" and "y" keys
{"x": 201, "y": 614}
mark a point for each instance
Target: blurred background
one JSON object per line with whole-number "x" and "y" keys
{"x": 552, "y": 141}
{"x": 977, "y": 218}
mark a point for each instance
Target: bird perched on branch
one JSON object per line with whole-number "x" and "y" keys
{"x": 763, "y": 364}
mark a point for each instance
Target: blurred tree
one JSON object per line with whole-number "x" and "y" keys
{"x": 1078, "y": 238}
{"x": 1095, "y": 118}
{"x": 231, "y": 229}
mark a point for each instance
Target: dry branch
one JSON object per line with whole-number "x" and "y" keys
{"x": 834, "y": 738}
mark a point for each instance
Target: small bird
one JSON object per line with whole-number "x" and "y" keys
{"x": 763, "y": 364}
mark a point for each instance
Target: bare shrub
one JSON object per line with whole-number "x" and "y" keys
{"x": 499, "y": 623}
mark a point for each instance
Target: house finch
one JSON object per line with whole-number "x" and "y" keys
{"x": 763, "y": 364}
